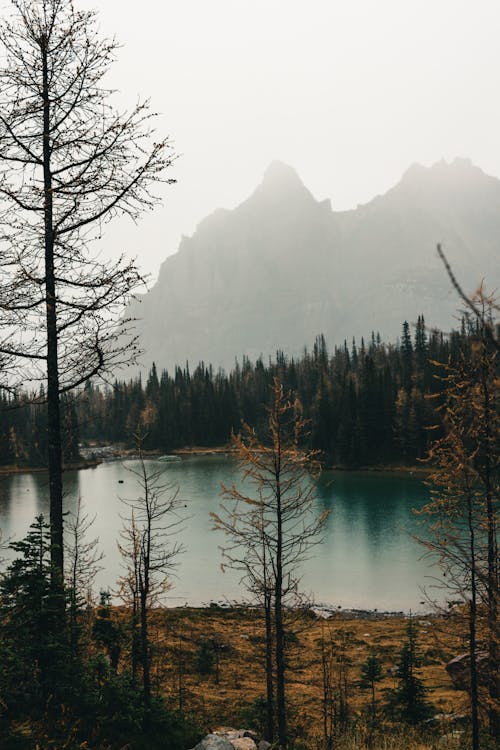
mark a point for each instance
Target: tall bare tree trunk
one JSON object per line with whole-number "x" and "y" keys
{"x": 473, "y": 691}
{"x": 268, "y": 618}
{"x": 492, "y": 574}
{"x": 327, "y": 698}
{"x": 145, "y": 661}
{"x": 53, "y": 404}
{"x": 269, "y": 667}
{"x": 278, "y": 619}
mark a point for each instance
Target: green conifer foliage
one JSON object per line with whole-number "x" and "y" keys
{"x": 407, "y": 702}
{"x": 31, "y": 659}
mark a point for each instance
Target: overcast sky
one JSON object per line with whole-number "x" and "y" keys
{"x": 349, "y": 93}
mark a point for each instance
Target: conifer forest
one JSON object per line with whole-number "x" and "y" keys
{"x": 368, "y": 404}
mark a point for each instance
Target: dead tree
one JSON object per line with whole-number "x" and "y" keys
{"x": 272, "y": 526}
{"x": 82, "y": 565}
{"x": 149, "y": 551}
{"x": 69, "y": 163}
{"x": 468, "y": 489}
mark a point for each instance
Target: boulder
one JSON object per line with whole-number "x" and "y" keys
{"x": 230, "y": 733}
{"x": 243, "y": 743}
{"x": 214, "y": 742}
{"x": 264, "y": 745}
{"x": 250, "y": 733}
{"x": 227, "y": 738}
{"x": 459, "y": 670}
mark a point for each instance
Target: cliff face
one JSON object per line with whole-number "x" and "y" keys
{"x": 281, "y": 267}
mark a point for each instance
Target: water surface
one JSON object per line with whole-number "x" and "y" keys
{"x": 367, "y": 559}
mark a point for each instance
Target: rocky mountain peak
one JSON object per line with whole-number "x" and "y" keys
{"x": 457, "y": 172}
{"x": 279, "y": 173}
{"x": 281, "y": 182}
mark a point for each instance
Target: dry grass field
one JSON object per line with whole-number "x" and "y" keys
{"x": 238, "y": 635}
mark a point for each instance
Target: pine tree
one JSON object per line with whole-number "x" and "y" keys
{"x": 371, "y": 674}
{"x": 406, "y": 357}
{"x": 31, "y": 657}
{"x": 407, "y": 702}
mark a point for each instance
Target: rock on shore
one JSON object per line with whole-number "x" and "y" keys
{"x": 227, "y": 738}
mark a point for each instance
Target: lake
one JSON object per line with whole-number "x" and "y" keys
{"x": 367, "y": 559}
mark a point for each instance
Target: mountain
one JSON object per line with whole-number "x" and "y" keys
{"x": 282, "y": 267}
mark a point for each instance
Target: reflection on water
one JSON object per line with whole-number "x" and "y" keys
{"x": 366, "y": 560}
{"x": 370, "y": 556}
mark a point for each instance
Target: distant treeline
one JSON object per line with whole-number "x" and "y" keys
{"x": 23, "y": 430}
{"x": 369, "y": 403}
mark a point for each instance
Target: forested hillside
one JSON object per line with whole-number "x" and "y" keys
{"x": 369, "y": 402}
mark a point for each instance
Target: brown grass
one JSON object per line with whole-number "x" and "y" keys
{"x": 178, "y": 633}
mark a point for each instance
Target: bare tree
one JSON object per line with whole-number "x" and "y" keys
{"x": 475, "y": 305}
{"x": 82, "y": 565}
{"x": 454, "y": 522}
{"x": 327, "y": 688}
{"x": 69, "y": 163}
{"x": 463, "y": 512}
{"x": 273, "y": 527}
{"x": 149, "y": 551}
{"x": 245, "y": 524}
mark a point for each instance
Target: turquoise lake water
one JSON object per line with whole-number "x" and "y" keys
{"x": 367, "y": 559}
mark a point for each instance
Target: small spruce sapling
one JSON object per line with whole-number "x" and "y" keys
{"x": 205, "y": 659}
{"x": 371, "y": 673}
{"x": 407, "y": 702}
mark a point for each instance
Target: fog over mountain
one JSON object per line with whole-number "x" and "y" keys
{"x": 282, "y": 267}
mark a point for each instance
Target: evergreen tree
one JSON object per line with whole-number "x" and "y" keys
{"x": 407, "y": 702}
{"x": 31, "y": 658}
{"x": 406, "y": 357}
{"x": 371, "y": 674}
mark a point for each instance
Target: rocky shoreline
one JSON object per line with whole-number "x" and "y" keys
{"x": 321, "y": 611}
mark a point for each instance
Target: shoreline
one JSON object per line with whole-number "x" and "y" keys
{"x": 13, "y": 469}
{"x": 320, "y": 611}
{"x": 387, "y": 469}
{"x": 197, "y": 450}
{"x": 419, "y": 469}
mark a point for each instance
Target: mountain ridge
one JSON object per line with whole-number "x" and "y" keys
{"x": 282, "y": 267}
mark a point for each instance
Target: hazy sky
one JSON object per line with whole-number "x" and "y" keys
{"x": 349, "y": 93}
